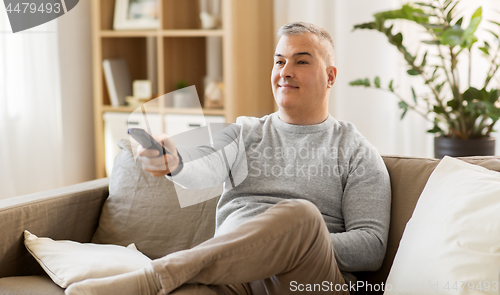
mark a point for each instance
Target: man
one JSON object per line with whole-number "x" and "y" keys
{"x": 314, "y": 206}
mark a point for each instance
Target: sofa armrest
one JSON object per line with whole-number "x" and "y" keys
{"x": 68, "y": 213}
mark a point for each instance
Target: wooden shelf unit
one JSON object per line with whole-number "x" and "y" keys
{"x": 179, "y": 48}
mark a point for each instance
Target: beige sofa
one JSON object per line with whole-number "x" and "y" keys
{"x": 74, "y": 212}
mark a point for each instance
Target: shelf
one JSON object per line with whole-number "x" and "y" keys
{"x": 183, "y": 111}
{"x": 216, "y": 112}
{"x": 138, "y": 33}
{"x": 192, "y": 33}
{"x": 164, "y": 33}
{"x": 126, "y": 109}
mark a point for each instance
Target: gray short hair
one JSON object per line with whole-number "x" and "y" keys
{"x": 299, "y": 28}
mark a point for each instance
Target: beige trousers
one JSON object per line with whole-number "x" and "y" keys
{"x": 285, "y": 250}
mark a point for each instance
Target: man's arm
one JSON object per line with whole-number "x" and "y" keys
{"x": 366, "y": 209}
{"x": 203, "y": 166}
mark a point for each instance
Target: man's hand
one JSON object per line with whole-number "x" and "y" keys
{"x": 159, "y": 166}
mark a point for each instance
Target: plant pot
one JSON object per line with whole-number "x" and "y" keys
{"x": 455, "y": 147}
{"x": 185, "y": 99}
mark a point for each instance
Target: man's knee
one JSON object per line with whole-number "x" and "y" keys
{"x": 302, "y": 208}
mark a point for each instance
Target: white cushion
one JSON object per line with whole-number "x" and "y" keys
{"x": 451, "y": 244}
{"x": 67, "y": 262}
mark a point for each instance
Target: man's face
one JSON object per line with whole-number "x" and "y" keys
{"x": 300, "y": 77}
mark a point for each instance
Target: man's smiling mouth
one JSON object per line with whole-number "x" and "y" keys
{"x": 287, "y": 86}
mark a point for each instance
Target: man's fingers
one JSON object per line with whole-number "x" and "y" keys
{"x": 147, "y": 152}
{"x": 157, "y": 173}
{"x": 155, "y": 161}
{"x": 167, "y": 142}
{"x": 154, "y": 166}
{"x": 172, "y": 160}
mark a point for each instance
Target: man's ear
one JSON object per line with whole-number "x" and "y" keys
{"x": 331, "y": 72}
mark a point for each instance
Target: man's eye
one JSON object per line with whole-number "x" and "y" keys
{"x": 279, "y": 62}
{"x": 303, "y": 62}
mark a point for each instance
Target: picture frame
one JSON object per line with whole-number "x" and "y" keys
{"x": 136, "y": 15}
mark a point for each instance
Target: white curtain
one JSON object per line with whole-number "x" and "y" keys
{"x": 366, "y": 54}
{"x": 30, "y": 110}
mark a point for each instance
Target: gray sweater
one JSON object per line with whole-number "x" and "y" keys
{"x": 265, "y": 160}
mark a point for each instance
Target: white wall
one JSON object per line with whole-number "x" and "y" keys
{"x": 76, "y": 89}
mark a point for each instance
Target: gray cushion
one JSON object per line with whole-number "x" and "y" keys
{"x": 144, "y": 210}
{"x": 29, "y": 285}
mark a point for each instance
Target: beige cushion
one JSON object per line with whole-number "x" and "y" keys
{"x": 408, "y": 178}
{"x": 29, "y": 285}
{"x": 68, "y": 262}
{"x": 453, "y": 234}
{"x": 70, "y": 212}
{"x": 144, "y": 210}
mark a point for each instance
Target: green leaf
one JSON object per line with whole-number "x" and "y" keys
{"x": 398, "y": 39}
{"x": 377, "y": 82}
{"x": 440, "y": 86}
{"x": 471, "y": 94}
{"x": 359, "y": 82}
{"x": 367, "y": 82}
{"x": 478, "y": 13}
{"x": 434, "y": 73}
{"x": 431, "y": 42}
{"x": 435, "y": 129}
{"x": 403, "y": 114}
{"x": 493, "y": 33}
{"x": 453, "y": 103}
{"x": 433, "y": 26}
{"x": 388, "y": 30}
{"x": 413, "y": 72}
{"x": 493, "y": 111}
{"x": 438, "y": 109}
{"x": 459, "y": 21}
{"x": 452, "y": 36}
{"x": 449, "y": 15}
{"x": 414, "y": 95}
{"x": 402, "y": 105}
{"x": 425, "y": 4}
{"x": 485, "y": 50}
{"x": 494, "y": 95}
{"x": 424, "y": 60}
{"x": 468, "y": 36}
{"x": 370, "y": 26}
{"x": 447, "y": 3}
{"x": 391, "y": 87}
{"x": 424, "y": 15}
{"x": 406, "y": 12}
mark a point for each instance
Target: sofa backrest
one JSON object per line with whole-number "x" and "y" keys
{"x": 408, "y": 178}
{"x": 164, "y": 227}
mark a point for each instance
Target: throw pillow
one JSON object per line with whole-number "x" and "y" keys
{"x": 451, "y": 244}
{"x": 145, "y": 210}
{"x": 67, "y": 262}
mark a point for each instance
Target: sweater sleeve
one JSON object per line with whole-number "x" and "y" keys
{"x": 213, "y": 163}
{"x": 366, "y": 205}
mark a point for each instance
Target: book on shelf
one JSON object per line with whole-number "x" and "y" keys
{"x": 118, "y": 81}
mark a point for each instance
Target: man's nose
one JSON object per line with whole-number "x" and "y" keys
{"x": 287, "y": 71}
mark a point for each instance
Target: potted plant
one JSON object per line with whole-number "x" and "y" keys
{"x": 183, "y": 96}
{"x": 462, "y": 115}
